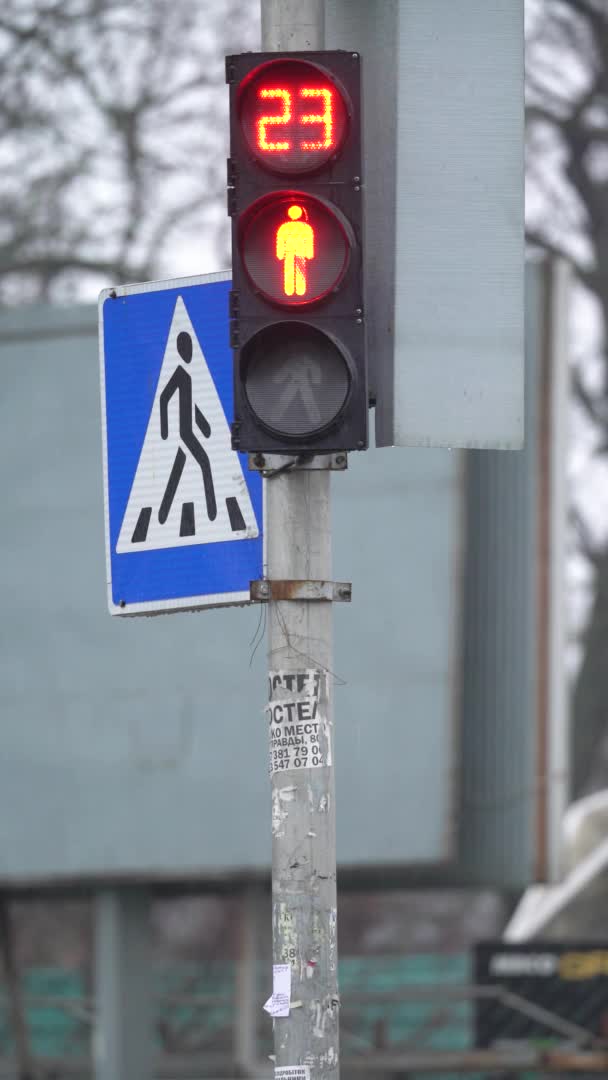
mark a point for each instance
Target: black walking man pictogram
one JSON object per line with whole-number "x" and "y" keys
{"x": 180, "y": 383}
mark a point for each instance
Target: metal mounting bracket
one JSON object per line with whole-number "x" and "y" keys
{"x": 273, "y": 463}
{"x": 264, "y": 590}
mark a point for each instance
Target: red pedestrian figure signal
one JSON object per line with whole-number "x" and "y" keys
{"x": 295, "y": 245}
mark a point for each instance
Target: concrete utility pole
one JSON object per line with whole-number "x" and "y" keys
{"x": 301, "y": 717}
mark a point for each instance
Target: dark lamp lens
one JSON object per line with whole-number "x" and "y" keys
{"x": 292, "y": 115}
{"x": 296, "y": 379}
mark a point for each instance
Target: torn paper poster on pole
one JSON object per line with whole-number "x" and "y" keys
{"x": 299, "y": 729}
{"x": 279, "y": 1002}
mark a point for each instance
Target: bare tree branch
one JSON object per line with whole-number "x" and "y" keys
{"x": 113, "y": 154}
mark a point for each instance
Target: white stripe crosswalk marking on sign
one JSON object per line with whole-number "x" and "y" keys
{"x": 189, "y": 486}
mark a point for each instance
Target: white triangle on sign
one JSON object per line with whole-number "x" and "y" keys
{"x": 189, "y": 486}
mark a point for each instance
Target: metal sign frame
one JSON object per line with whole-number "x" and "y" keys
{"x": 240, "y": 561}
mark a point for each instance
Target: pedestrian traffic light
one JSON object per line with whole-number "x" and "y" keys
{"x": 296, "y": 307}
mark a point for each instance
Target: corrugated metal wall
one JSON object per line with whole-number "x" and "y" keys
{"x": 144, "y": 742}
{"x": 507, "y": 726}
{"x": 140, "y": 746}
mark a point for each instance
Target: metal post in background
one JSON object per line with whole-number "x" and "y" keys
{"x": 300, "y": 663}
{"x": 14, "y": 991}
{"x": 246, "y": 1011}
{"x": 124, "y": 1019}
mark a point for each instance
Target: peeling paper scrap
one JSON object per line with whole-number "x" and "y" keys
{"x": 279, "y": 1002}
{"x": 292, "y": 1072}
{"x": 299, "y": 684}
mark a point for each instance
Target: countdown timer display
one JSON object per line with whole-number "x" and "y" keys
{"x": 293, "y": 116}
{"x": 294, "y": 247}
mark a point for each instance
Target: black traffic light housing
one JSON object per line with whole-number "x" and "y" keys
{"x": 300, "y": 372}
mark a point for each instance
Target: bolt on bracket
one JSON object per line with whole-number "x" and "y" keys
{"x": 265, "y": 590}
{"x": 289, "y": 463}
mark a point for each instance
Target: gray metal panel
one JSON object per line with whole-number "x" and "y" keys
{"x": 560, "y": 277}
{"x": 370, "y": 27}
{"x": 499, "y": 753}
{"x": 443, "y": 186}
{"x": 139, "y": 747}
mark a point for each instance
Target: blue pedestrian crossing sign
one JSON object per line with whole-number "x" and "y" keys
{"x": 183, "y": 514}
